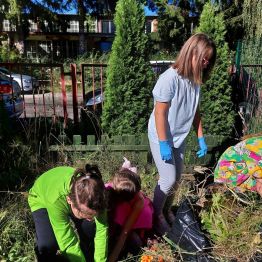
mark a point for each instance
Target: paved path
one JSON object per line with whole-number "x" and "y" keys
{"x": 42, "y": 105}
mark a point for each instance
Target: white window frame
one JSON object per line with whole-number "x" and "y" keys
{"x": 73, "y": 26}
{"x": 33, "y": 26}
{"x": 110, "y": 27}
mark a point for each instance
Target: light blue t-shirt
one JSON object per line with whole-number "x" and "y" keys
{"x": 183, "y": 96}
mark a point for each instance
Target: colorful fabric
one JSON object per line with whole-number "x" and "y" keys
{"x": 49, "y": 191}
{"x": 124, "y": 209}
{"x": 240, "y": 165}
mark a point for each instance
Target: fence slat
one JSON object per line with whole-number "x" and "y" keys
{"x": 91, "y": 140}
{"x": 76, "y": 140}
{"x": 89, "y": 148}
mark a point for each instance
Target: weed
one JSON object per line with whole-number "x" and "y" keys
{"x": 233, "y": 227}
{"x": 16, "y": 230}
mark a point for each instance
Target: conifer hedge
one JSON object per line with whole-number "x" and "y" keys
{"x": 129, "y": 75}
{"x": 216, "y": 104}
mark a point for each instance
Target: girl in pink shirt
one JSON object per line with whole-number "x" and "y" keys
{"x": 130, "y": 216}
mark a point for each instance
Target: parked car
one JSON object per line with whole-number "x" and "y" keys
{"x": 94, "y": 98}
{"x": 159, "y": 66}
{"x": 28, "y": 83}
{"x": 10, "y": 95}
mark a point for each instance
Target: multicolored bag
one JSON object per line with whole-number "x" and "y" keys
{"x": 240, "y": 165}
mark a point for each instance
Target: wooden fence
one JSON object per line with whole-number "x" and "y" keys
{"x": 140, "y": 145}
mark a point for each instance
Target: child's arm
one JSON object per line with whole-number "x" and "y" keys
{"x": 198, "y": 124}
{"x": 161, "y": 120}
{"x": 132, "y": 218}
{"x": 101, "y": 238}
{"x": 161, "y": 116}
{"x": 199, "y": 131}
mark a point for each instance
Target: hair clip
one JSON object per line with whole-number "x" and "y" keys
{"x": 127, "y": 165}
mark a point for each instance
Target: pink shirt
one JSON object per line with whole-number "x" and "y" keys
{"x": 124, "y": 209}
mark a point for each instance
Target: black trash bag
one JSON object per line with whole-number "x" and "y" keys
{"x": 197, "y": 258}
{"x": 186, "y": 232}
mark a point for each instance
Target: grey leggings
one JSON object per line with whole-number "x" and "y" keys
{"x": 169, "y": 175}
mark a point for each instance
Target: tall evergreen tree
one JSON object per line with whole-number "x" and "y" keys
{"x": 175, "y": 21}
{"x": 129, "y": 76}
{"x": 216, "y": 101}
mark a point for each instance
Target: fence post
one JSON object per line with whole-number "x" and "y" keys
{"x": 238, "y": 56}
{"x": 83, "y": 82}
{"x": 64, "y": 95}
{"x": 74, "y": 93}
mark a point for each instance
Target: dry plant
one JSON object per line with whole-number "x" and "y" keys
{"x": 16, "y": 229}
{"x": 233, "y": 226}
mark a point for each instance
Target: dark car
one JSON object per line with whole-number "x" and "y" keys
{"x": 94, "y": 98}
{"x": 10, "y": 96}
{"x": 160, "y": 66}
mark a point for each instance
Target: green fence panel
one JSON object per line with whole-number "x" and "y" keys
{"x": 120, "y": 145}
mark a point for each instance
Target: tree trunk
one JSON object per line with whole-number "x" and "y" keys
{"x": 82, "y": 38}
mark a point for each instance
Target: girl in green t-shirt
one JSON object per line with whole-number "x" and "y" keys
{"x": 68, "y": 208}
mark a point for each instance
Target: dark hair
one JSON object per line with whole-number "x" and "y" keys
{"x": 87, "y": 188}
{"x": 126, "y": 184}
{"x": 198, "y": 46}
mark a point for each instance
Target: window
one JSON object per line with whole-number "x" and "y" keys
{"x": 73, "y": 26}
{"x": 45, "y": 47}
{"x": 6, "y": 25}
{"x": 91, "y": 25}
{"x": 148, "y": 27}
{"x": 33, "y": 26}
{"x": 31, "y": 51}
{"x": 108, "y": 27}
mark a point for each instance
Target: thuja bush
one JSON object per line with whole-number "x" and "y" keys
{"x": 216, "y": 102}
{"x": 129, "y": 76}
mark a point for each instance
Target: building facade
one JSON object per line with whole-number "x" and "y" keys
{"x": 58, "y": 40}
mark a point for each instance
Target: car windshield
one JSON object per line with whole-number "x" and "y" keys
{"x": 4, "y": 71}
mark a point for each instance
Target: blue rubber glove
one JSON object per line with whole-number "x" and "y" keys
{"x": 203, "y": 147}
{"x": 165, "y": 150}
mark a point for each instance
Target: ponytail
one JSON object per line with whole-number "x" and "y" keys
{"x": 87, "y": 187}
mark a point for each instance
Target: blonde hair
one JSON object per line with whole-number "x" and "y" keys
{"x": 199, "y": 46}
{"x": 126, "y": 184}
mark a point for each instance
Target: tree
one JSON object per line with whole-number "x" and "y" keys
{"x": 252, "y": 44}
{"x": 233, "y": 18}
{"x": 174, "y": 23}
{"x": 19, "y": 11}
{"x": 216, "y": 103}
{"x": 129, "y": 76}
{"x": 252, "y": 15}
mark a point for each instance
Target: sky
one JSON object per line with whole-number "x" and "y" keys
{"x": 148, "y": 12}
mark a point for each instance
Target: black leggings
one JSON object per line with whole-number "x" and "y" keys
{"x": 47, "y": 246}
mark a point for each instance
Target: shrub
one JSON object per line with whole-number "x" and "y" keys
{"x": 216, "y": 103}
{"x": 8, "y": 54}
{"x": 129, "y": 76}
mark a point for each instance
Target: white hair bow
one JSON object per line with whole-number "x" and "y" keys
{"x": 127, "y": 165}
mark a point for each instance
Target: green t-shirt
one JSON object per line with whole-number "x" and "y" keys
{"x": 49, "y": 191}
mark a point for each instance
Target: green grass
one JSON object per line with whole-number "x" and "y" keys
{"x": 231, "y": 225}
{"x": 16, "y": 230}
